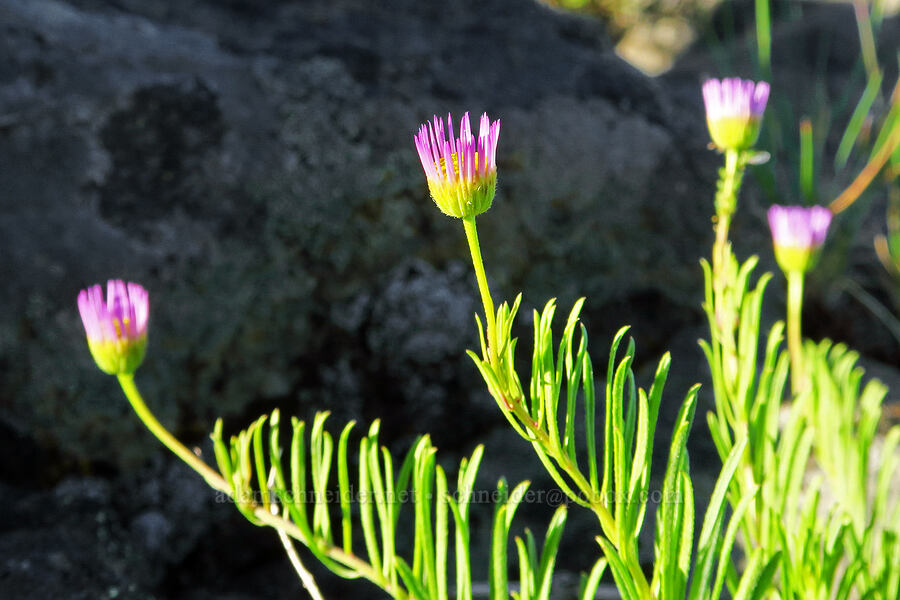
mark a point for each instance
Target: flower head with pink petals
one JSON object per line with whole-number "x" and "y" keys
{"x": 461, "y": 172}
{"x": 734, "y": 110}
{"x": 117, "y": 326}
{"x": 798, "y": 233}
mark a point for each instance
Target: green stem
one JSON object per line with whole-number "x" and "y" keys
{"x": 720, "y": 249}
{"x": 794, "y": 338}
{"x": 726, "y": 204}
{"x": 349, "y": 560}
{"x": 730, "y": 184}
{"x": 478, "y": 263}
{"x": 170, "y": 441}
{"x": 306, "y": 578}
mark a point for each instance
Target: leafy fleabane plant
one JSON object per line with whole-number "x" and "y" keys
{"x": 326, "y": 496}
{"x": 614, "y": 485}
{"x": 831, "y": 535}
{"x": 293, "y": 491}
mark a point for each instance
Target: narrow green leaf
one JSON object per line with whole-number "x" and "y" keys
{"x": 807, "y": 161}
{"x": 716, "y": 509}
{"x": 855, "y": 125}
{"x": 590, "y": 416}
{"x": 609, "y": 414}
{"x": 616, "y": 445}
{"x": 344, "y": 489}
{"x": 548, "y": 555}
{"x": 515, "y": 497}
{"x": 637, "y": 487}
{"x": 686, "y": 544}
{"x": 670, "y": 517}
{"x": 403, "y": 477}
{"x": 889, "y": 125}
{"x": 441, "y": 532}
{"x": 222, "y": 456}
{"x": 655, "y": 399}
{"x": 592, "y": 582}
{"x": 467, "y": 472}
{"x": 423, "y": 481}
{"x": 533, "y": 558}
{"x": 526, "y": 574}
{"x": 573, "y": 379}
{"x": 727, "y": 544}
{"x": 570, "y": 367}
{"x": 412, "y": 583}
{"x": 393, "y": 504}
{"x": 381, "y": 496}
{"x": 497, "y": 571}
{"x": 629, "y": 423}
{"x": 321, "y": 448}
{"x": 481, "y": 339}
{"x": 712, "y": 521}
{"x": 260, "y": 462}
{"x": 764, "y": 38}
{"x": 366, "y": 507}
{"x": 297, "y": 505}
{"x": 621, "y": 575}
{"x": 763, "y": 581}
{"x": 461, "y": 538}
{"x": 536, "y": 387}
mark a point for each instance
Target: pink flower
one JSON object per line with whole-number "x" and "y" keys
{"x": 116, "y": 328}
{"x": 797, "y": 234}
{"x": 734, "y": 110}
{"x": 461, "y": 172}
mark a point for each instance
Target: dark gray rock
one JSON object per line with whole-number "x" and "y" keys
{"x": 263, "y": 190}
{"x": 252, "y": 164}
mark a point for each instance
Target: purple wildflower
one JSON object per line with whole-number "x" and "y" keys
{"x": 734, "y": 110}
{"x": 797, "y": 234}
{"x": 461, "y": 172}
{"x": 117, "y": 327}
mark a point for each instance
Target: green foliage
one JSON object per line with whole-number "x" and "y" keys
{"x": 375, "y": 500}
{"x": 616, "y": 484}
{"x": 790, "y": 539}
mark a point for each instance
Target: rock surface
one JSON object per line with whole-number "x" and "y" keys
{"x": 257, "y": 175}
{"x": 253, "y": 167}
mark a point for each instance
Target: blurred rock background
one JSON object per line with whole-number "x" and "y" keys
{"x": 252, "y": 165}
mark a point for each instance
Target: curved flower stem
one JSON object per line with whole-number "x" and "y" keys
{"x": 170, "y": 441}
{"x": 282, "y": 525}
{"x": 478, "y": 263}
{"x": 794, "y": 337}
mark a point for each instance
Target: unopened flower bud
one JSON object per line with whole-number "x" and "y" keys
{"x": 734, "y": 111}
{"x": 798, "y": 233}
{"x": 461, "y": 172}
{"x": 117, "y": 327}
